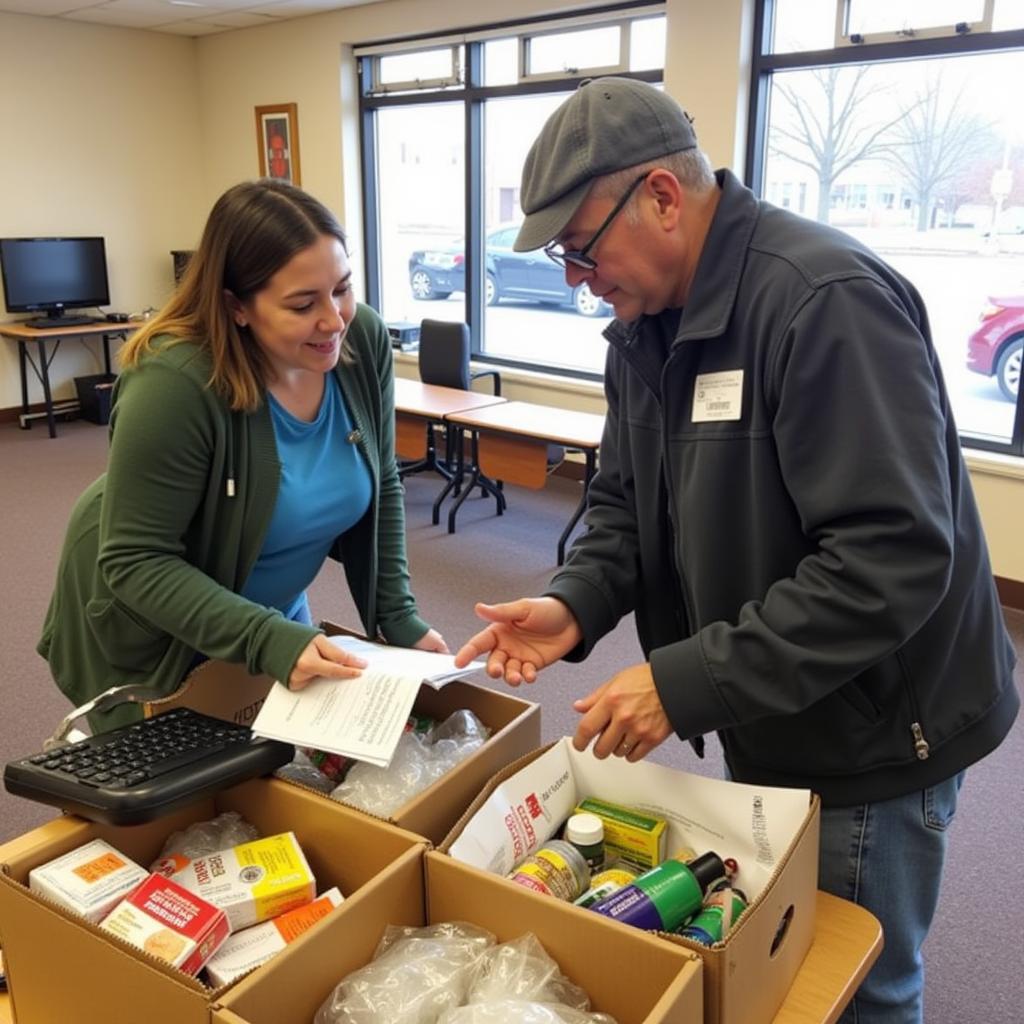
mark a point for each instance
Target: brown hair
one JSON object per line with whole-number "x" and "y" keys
{"x": 253, "y": 230}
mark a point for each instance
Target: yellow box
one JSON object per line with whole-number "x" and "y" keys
{"x": 629, "y": 834}
{"x": 252, "y": 882}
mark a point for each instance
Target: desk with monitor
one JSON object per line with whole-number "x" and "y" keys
{"x": 26, "y": 336}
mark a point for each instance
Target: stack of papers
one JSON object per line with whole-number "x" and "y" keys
{"x": 361, "y": 718}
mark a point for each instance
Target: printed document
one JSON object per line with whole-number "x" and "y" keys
{"x": 362, "y": 718}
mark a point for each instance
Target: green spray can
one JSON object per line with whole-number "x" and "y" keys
{"x": 717, "y": 918}
{"x": 664, "y": 897}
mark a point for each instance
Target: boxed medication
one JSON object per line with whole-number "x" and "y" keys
{"x": 167, "y": 921}
{"x": 103, "y": 978}
{"x": 90, "y": 880}
{"x": 254, "y": 881}
{"x": 253, "y": 946}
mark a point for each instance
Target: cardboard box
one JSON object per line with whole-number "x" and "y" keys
{"x": 230, "y": 692}
{"x": 773, "y": 833}
{"x": 629, "y": 974}
{"x": 103, "y": 979}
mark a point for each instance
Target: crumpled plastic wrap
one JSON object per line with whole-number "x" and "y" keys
{"x": 302, "y": 770}
{"x": 518, "y": 1011}
{"x": 522, "y": 970}
{"x": 205, "y": 837}
{"x": 415, "y": 976}
{"x": 419, "y": 761}
{"x": 453, "y": 973}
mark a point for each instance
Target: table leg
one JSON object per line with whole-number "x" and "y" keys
{"x": 22, "y": 365}
{"x": 106, "y": 352}
{"x": 44, "y": 379}
{"x": 591, "y": 456}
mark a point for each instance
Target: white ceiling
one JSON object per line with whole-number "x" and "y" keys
{"x": 180, "y": 17}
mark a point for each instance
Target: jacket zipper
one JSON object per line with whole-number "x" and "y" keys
{"x": 920, "y": 743}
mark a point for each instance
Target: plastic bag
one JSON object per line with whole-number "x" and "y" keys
{"x": 416, "y": 975}
{"x": 518, "y": 1011}
{"x": 523, "y": 970}
{"x": 420, "y": 759}
{"x": 302, "y": 770}
{"x": 202, "y": 838}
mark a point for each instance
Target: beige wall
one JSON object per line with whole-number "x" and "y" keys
{"x": 189, "y": 104}
{"x": 103, "y": 138}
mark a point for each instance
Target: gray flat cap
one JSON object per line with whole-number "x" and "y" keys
{"x": 606, "y": 125}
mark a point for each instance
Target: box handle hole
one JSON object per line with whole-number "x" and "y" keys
{"x": 781, "y": 931}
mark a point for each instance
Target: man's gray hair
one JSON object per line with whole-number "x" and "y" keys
{"x": 690, "y": 166}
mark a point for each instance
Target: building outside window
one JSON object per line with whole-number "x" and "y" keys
{"x": 446, "y": 126}
{"x": 903, "y": 123}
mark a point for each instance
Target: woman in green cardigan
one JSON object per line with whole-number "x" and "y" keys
{"x": 252, "y": 435}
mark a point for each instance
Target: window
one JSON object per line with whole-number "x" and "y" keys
{"x": 901, "y": 124}
{"x": 446, "y": 126}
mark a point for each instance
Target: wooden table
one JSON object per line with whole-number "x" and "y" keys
{"x": 847, "y": 942}
{"x": 23, "y": 335}
{"x": 418, "y": 405}
{"x": 510, "y": 443}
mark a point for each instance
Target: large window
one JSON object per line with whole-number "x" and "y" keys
{"x": 901, "y": 123}
{"x": 446, "y": 126}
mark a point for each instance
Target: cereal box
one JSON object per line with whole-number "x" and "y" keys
{"x": 167, "y": 921}
{"x": 90, "y": 880}
{"x": 253, "y": 882}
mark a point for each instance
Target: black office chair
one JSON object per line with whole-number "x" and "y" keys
{"x": 444, "y": 361}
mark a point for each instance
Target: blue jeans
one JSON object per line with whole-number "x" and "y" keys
{"x": 888, "y": 857}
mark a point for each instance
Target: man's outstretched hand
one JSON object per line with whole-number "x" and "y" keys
{"x": 523, "y": 637}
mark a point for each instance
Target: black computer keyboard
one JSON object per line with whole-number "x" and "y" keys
{"x": 64, "y": 321}
{"x": 139, "y": 772}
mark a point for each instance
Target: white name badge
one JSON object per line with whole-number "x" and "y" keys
{"x": 718, "y": 396}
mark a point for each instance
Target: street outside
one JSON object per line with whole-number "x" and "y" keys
{"x": 948, "y": 268}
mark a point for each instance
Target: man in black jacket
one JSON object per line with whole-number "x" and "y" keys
{"x": 783, "y": 503}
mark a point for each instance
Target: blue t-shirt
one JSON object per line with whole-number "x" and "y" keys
{"x": 324, "y": 490}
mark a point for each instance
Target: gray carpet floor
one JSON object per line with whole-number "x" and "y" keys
{"x": 973, "y": 955}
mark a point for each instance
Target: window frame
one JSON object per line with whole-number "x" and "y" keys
{"x": 473, "y": 94}
{"x": 947, "y": 42}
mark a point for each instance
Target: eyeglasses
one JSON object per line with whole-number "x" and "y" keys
{"x": 579, "y": 257}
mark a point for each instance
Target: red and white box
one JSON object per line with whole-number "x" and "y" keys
{"x": 167, "y": 921}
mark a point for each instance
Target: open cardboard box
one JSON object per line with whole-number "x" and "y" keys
{"x": 629, "y": 974}
{"x": 61, "y": 967}
{"x": 771, "y": 832}
{"x": 230, "y": 692}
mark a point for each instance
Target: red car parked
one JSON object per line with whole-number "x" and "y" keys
{"x": 996, "y": 346}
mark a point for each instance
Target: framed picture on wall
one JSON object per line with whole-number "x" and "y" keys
{"x": 277, "y": 136}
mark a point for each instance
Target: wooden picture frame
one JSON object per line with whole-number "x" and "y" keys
{"x": 277, "y": 140}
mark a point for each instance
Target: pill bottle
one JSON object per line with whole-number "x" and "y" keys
{"x": 664, "y": 897}
{"x": 716, "y": 918}
{"x": 556, "y": 869}
{"x": 586, "y": 832}
{"x": 605, "y": 882}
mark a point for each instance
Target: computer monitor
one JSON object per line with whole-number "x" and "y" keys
{"x": 49, "y": 275}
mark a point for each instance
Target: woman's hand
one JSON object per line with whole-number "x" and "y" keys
{"x": 432, "y": 641}
{"x": 322, "y": 658}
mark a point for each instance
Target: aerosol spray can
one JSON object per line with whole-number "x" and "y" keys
{"x": 717, "y": 918}
{"x": 664, "y": 897}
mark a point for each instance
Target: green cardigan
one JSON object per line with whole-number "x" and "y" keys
{"x": 159, "y": 547}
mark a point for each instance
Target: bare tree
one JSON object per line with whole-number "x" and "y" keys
{"x": 825, "y": 127}
{"x": 933, "y": 140}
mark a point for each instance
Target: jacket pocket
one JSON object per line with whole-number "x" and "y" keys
{"x": 126, "y": 641}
